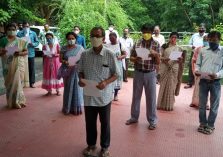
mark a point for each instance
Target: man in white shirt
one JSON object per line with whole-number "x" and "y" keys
{"x": 111, "y": 28}
{"x": 127, "y": 42}
{"x": 157, "y": 36}
{"x": 195, "y": 41}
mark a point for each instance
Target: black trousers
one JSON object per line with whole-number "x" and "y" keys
{"x": 91, "y": 113}
{"x": 31, "y": 61}
{"x": 125, "y": 72}
{"x": 191, "y": 75}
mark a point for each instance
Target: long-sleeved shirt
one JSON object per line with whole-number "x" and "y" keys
{"x": 31, "y": 39}
{"x": 210, "y": 62}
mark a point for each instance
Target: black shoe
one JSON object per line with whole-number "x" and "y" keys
{"x": 32, "y": 86}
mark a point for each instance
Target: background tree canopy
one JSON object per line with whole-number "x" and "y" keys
{"x": 177, "y": 15}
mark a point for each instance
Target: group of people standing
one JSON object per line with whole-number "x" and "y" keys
{"x": 106, "y": 62}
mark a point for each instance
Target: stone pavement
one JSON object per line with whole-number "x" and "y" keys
{"x": 41, "y": 130}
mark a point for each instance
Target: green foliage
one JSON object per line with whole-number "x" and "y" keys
{"x": 219, "y": 28}
{"x": 4, "y": 16}
{"x": 88, "y": 14}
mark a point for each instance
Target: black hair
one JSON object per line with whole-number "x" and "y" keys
{"x": 77, "y": 27}
{"x": 174, "y": 33}
{"x": 147, "y": 27}
{"x": 10, "y": 25}
{"x": 113, "y": 34}
{"x": 49, "y": 33}
{"x": 98, "y": 27}
{"x": 214, "y": 34}
{"x": 25, "y": 22}
{"x": 71, "y": 33}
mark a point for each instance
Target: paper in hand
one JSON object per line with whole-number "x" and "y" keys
{"x": 143, "y": 53}
{"x": 90, "y": 88}
{"x": 74, "y": 59}
{"x": 11, "y": 49}
{"x": 47, "y": 53}
{"x": 175, "y": 55}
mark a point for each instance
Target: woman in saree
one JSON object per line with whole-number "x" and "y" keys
{"x": 170, "y": 73}
{"x": 51, "y": 64}
{"x": 73, "y": 93}
{"x": 195, "y": 96}
{"x": 13, "y": 53}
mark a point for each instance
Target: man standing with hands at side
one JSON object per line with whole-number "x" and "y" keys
{"x": 195, "y": 41}
{"x": 104, "y": 71}
{"x": 209, "y": 67}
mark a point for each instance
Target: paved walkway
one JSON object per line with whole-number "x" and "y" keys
{"x": 41, "y": 130}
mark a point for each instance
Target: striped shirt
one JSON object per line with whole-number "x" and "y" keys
{"x": 145, "y": 65}
{"x": 99, "y": 67}
{"x": 210, "y": 62}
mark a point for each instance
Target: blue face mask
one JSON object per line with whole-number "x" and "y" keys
{"x": 213, "y": 46}
{"x": 26, "y": 30}
{"x": 205, "y": 43}
{"x": 49, "y": 41}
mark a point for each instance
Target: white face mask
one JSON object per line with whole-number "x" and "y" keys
{"x": 96, "y": 42}
{"x": 11, "y": 33}
{"x": 76, "y": 32}
{"x": 71, "y": 42}
{"x": 110, "y": 29}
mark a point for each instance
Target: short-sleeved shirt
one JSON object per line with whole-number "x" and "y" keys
{"x": 146, "y": 65}
{"x": 197, "y": 40}
{"x": 99, "y": 67}
{"x": 128, "y": 43}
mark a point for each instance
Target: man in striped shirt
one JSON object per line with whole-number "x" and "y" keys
{"x": 146, "y": 58}
{"x": 209, "y": 67}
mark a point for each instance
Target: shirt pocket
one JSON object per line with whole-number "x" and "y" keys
{"x": 218, "y": 60}
{"x": 105, "y": 71}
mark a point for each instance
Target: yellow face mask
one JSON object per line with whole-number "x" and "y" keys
{"x": 147, "y": 36}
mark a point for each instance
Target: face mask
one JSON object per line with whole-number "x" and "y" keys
{"x": 96, "y": 42}
{"x": 146, "y": 36}
{"x": 71, "y": 42}
{"x": 213, "y": 46}
{"x": 201, "y": 31}
{"x": 76, "y": 32}
{"x": 26, "y": 30}
{"x": 110, "y": 29}
{"x": 11, "y": 33}
{"x": 125, "y": 34}
{"x": 49, "y": 41}
{"x": 205, "y": 43}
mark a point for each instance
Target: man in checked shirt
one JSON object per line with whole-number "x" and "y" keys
{"x": 145, "y": 76}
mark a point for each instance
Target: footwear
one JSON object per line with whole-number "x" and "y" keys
{"x": 193, "y": 105}
{"x": 32, "y": 86}
{"x": 90, "y": 151}
{"x": 58, "y": 93}
{"x": 152, "y": 127}
{"x": 187, "y": 86}
{"x": 23, "y": 105}
{"x": 48, "y": 94}
{"x": 201, "y": 128}
{"x": 116, "y": 98}
{"x": 208, "y": 130}
{"x": 125, "y": 80}
{"x": 104, "y": 153}
{"x": 131, "y": 121}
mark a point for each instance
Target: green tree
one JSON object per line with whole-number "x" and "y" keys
{"x": 90, "y": 13}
